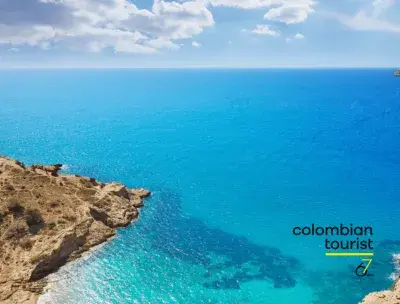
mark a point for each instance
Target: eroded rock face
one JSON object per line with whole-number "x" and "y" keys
{"x": 384, "y": 297}
{"x": 48, "y": 219}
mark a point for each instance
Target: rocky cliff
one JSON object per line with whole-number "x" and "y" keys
{"x": 48, "y": 219}
{"x": 391, "y": 296}
{"x": 384, "y": 297}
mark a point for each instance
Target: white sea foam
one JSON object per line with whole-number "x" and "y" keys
{"x": 65, "y": 167}
{"x": 396, "y": 262}
{"x": 393, "y": 276}
{"x": 66, "y": 273}
{"x": 396, "y": 257}
{"x": 44, "y": 299}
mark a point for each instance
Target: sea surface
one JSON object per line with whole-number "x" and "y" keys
{"x": 235, "y": 160}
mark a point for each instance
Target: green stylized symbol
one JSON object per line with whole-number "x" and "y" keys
{"x": 362, "y": 270}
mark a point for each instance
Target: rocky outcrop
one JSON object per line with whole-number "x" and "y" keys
{"x": 384, "y": 297}
{"x": 48, "y": 219}
{"x": 391, "y": 296}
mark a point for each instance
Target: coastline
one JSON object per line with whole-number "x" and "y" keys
{"x": 389, "y": 296}
{"x": 88, "y": 217}
{"x": 54, "y": 278}
{"x": 48, "y": 219}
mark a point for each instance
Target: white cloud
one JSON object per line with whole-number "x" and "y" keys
{"x": 125, "y": 46}
{"x": 14, "y": 50}
{"x": 244, "y": 4}
{"x": 196, "y": 44}
{"x": 36, "y": 35}
{"x": 287, "y": 11}
{"x": 369, "y": 18}
{"x": 291, "y": 12}
{"x": 381, "y": 6}
{"x": 162, "y": 43}
{"x": 94, "y": 25}
{"x": 363, "y": 21}
{"x": 299, "y": 36}
{"x": 263, "y": 29}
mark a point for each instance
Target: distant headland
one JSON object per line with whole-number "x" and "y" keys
{"x": 48, "y": 219}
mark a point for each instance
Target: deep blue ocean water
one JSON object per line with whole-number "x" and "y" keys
{"x": 235, "y": 159}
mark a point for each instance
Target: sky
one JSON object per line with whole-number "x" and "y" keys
{"x": 199, "y": 33}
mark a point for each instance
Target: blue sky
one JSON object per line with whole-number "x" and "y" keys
{"x": 199, "y": 33}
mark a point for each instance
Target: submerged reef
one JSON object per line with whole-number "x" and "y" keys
{"x": 48, "y": 219}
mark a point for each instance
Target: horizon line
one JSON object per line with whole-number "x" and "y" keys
{"x": 194, "y": 67}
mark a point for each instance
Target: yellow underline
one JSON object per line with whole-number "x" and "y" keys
{"x": 349, "y": 254}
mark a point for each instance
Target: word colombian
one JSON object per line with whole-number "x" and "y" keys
{"x": 340, "y": 231}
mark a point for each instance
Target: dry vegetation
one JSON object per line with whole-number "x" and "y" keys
{"x": 47, "y": 219}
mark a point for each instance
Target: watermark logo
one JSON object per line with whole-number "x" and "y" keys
{"x": 338, "y": 244}
{"x": 362, "y": 270}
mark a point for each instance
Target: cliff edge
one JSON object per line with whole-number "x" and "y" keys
{"x": 48, "y": 219}
{"x": 384, "y": 297}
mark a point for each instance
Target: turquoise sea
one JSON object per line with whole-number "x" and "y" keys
{"x": 235, "y": 159}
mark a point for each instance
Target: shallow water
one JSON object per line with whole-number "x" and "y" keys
{"x": 235, "y": 159}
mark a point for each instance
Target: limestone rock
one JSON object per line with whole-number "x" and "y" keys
{"x": 384, "y": 297}
{"x": 141, "y": 192}
{"x": 48, "y": 219}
